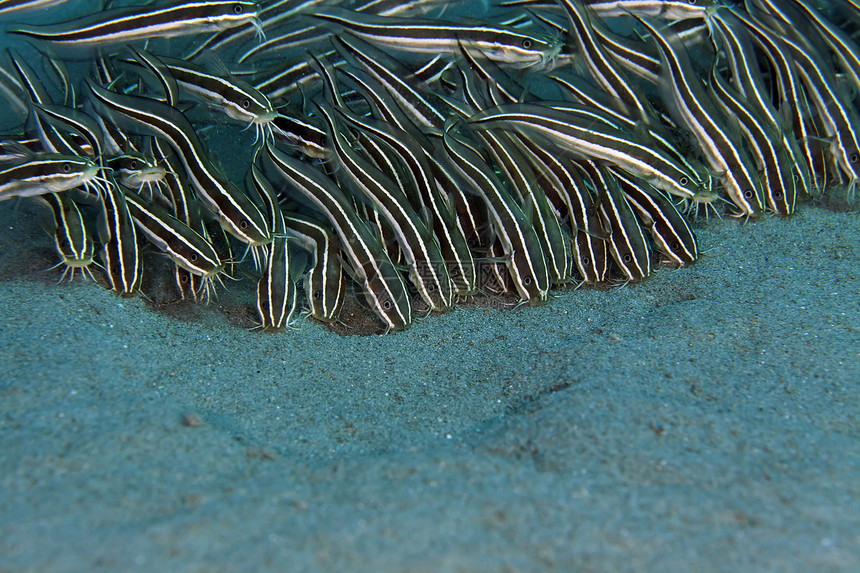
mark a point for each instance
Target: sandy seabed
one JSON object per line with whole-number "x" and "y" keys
{"x": 706, "y": 419}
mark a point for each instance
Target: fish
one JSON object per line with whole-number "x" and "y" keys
{"x": 381, "y": 284}
{"x": 83, "y": 37}
{"x": 325, "y": 281}
{"x": 45, "y": 173}
{"x": 508, "y": 46}
{"x": 120, "y": 252}
{"x": 520, "y": 246}
{"x": 72, "y": 238}
{"x": 236, "y": 213}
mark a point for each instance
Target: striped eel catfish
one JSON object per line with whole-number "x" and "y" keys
{"x": 236, "y": 213}
{"x": 747, "y": 76}
{"x": 18, "y": 6}
{"x": 136, "y": 170}
{"x": 271, "y": 14}
{"x": 564, "y": 185}
{"x": 324, "y": 282}
{"x": 185, "y": 247}
{"x": 789, "y": 98}
{"x": 175, "y": 191}
{"x": 425, "y": 196}
{"x": 121, "y": 256}
{"x": 381, "y": 284}
{"x": 672, "y": 10}
{"x": 626, "y": 96}
{"x": 44, "y": 173}
{"x": 669, "y": 231}
{"x": 276, "y": 289}
{"x": 83, "y": 37}
{"x": 233, "y": 97}
{"x": 626, "y": 241}
{"x": 72, "y": 239}
{"x": 836, "y": 114}
{"x": 424, "y": 107}
{"x": 417, "y": 242}
{"x": 588, "y": 138}
{"x": 555, "y": 243}
{"x": 523, "y": 255}
{"x": 696, "y": 109}
{"x": 508, "y": 46}
{"x": 773, "y": 159}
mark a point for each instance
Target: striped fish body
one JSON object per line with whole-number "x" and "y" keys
{"x": 120, "y": 252}
{"x": 670, "y": 232}
{"x": 460, "y": 214}
{"x": 276, "y": 290}
{"x": 45, "y": 173}
{"x": 672, "y": 10}
{"x": 587, "y": 138}
{"x": 766, "y": 145}
{"x": 72, "y": 239}
{"x": 325, "y": 281}
{"x": 625, "y": 95}
{"x": 81, "y": 133}
{"x": 626, "y": 241}
{"x": 554, "y": 244}
{"x": 423, "y": 107}
{"x": 185, "y": 247}
{"x": 237, "y": 214}
{"x": 135, "y": 170}
{"x": 575, "y": 202}
{"x": 839, "y": 119}
{"x": 276, "y": 293}
{"x": 422, "y": 182}
{"x": 494, "y": 277}
{"x": 507, "y": 46}
{"x": 591, "y": 256}
{"x": 176, "y": 193}
{"x": 301, "y": 134}
{"x": 792, "y": 100}
{"x": 697, "y": 111}
{"x": 749, "y": 82}
{"x": 417, "y": 242}
{"x": 521, "y": 247}
{"x": 237, "y": 99}
{"x": 382, "y": 286}
{"x": 82, "y": 37}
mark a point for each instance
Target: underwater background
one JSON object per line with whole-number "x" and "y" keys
{"x": 707, "y": 418}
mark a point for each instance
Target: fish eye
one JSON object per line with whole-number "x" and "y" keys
{"x": 238, "y": 9}
{"x": 627, "y": 258}
{"x": 193, "y": 257}
{"x": 684, "y": 181}
{"x": 317, "y": 294}
{"x": 748, "y": 193}
{"x": 386, "y": 305}
{"x": 184, "y": 279}
{"x": 527, "y": 44}
{"x": 431, "y": 288}
{"x": 67, "y": 168}
{"x": 675, "y": 246}
{"x": 527, "y": 281}
{"x": 243, "y": 224}
{"x": 455, "y": 272}
{"x": 246, "y": 103}
{"x": 853, "y": 157}
{"x": 586, "y": 261}
{"x": 132, "y": 165}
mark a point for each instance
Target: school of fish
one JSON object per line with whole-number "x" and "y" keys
{"x": 407, "y": 158}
